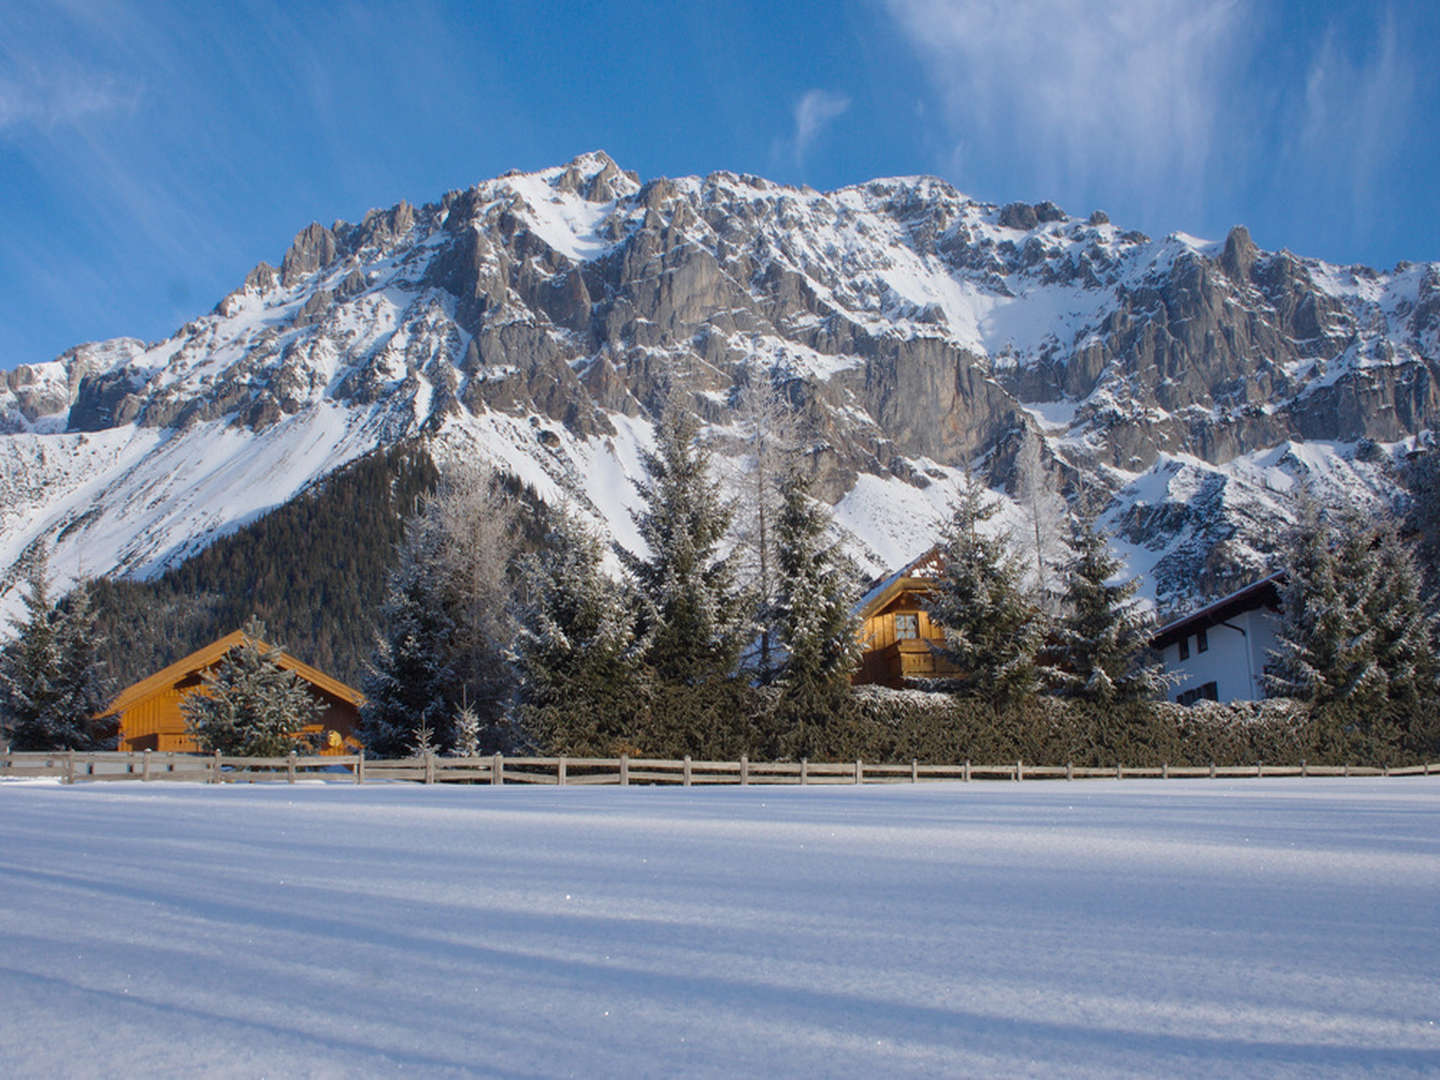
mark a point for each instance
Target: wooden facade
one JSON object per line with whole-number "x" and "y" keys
{"x": 896, "y": 630}
{"x": 148, "y": 717}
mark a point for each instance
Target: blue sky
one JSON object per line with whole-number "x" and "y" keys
{"x": 150, "y": 156}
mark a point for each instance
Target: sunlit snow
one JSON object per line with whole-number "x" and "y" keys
{"x": 1265, "y": 928}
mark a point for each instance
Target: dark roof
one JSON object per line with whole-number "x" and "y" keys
{"x": 1264, "y": 593}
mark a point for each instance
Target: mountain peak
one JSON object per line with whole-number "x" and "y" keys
{"x": 539, "y": 319}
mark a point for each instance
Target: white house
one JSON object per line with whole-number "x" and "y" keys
{"x": 1219, "y": 652}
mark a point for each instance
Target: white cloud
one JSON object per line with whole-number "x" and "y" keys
{"x": 813, "y": 113}
{"x": 1356, "y": 112}
{"x": 51, "y": 102}
{"x": 1132, "y": 95}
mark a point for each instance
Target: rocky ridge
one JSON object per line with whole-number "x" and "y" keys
{"x": 539, "y": 320}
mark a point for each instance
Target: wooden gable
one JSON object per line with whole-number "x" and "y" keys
{"x": 895, "y": 628}
{"x": 148, "y": 717}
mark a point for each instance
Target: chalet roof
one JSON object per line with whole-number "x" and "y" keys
{"x": 1264, "y": 593}
{"x": 210, "y": 655}
{"x": 921, "y": 570}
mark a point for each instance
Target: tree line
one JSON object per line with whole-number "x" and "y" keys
{"x": 507, "y": 625}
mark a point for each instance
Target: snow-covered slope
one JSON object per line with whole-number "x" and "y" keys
{"x": 539, "y": 320}
{"x": 1276, "y": 928}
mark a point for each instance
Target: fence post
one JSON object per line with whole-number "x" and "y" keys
{"x": 1019, "y": 771}
{"x": 914, "y": 770}
{"x": 859, "y": 771}
{"x": 215, "y": 768}
{"x": 624, "y": 770}
{"x": 1303, "y": 770}
{"x": 1119, "y": 771}
{"x": 1212, "y": 770}
{"x": 497, "y": 769}
{"x": 290, "y": 767}
{"x": 744, "y": 769}
{"x": 1259, "y": 769}
{"x": 1347, "y": 768}
{"x": 69, "y": 766}
{"x": 1069, "y": 770}
{"x": 560, "y": 772}
{"x": 360, "y": 767}
{"x": 686, "y": 777}
{"x": 1164, "y": 770}
{"x": 145, "y": 765}
{"x": 966, "y": 774}
{"x": 804, "y": 770}
{"x": 429, "y": 766}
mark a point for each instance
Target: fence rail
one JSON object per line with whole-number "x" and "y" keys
{"x": 145, "y": 765}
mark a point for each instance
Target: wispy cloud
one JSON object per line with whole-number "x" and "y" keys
{"x": 1356, "y": 111}
{"x": 814, "y": 112}
{"x": 51, "y": 101}
{"x": 1081, "y": 95}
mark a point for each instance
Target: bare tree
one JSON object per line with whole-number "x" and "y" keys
{"x": 1047, "y": 520}
{"x": 769, "y": 434}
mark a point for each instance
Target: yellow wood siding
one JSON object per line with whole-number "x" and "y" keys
{"x": 890, "y": 660}
{"x": 149, "y": 717}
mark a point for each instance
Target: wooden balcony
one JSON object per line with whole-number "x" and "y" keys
{"x": 908, "y": 658}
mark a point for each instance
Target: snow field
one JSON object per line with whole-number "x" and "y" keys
{"x": 1135, "y": 928}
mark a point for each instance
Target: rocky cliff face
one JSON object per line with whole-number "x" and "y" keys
{"x": 539, "y": 320}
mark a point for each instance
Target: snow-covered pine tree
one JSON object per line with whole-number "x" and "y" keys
{"x": 695, "y": 616}
{"x": 86, "y": 685}
{"x": 992, "y": 629}
{"x": 1421, "y": 477}
{"x": 1327, "y": 644}
{"x": 582, "y": 681}
{"x": 815, "y": 613}
{"x": 1101, "y": 641}
{"x": 408, "y": 678}
{"x": 1405, "y": 633}
{"x": 467, "y": 732}
{"x": 51, "y": 684}
{"x": 445, "y": 622}
{"x": 250, "y": 706}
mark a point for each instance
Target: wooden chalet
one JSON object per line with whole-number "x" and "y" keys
{"x": 895, "y": 629}
{"x": 147, "y": 715}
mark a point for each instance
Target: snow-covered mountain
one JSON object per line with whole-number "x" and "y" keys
{"x": 539, "y": 321}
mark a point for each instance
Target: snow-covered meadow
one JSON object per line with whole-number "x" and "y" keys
{"x": 1278, "y": 927}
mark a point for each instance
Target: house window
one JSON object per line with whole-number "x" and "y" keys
{"x": 1185, "y": 648}
{"x": 1205, "y": 692}
{"x": 907, "y": 626}
{"x": 1202, "y": 643}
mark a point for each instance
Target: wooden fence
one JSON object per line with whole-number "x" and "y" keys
{"x": 217, "y": 768}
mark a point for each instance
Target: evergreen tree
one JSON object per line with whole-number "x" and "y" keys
{"x": 1326, "y": 648}
{"x": 1405, "y": 634}
{"x": 1102, "y": 639}
{"x": 992, "y": 630}
{"x": 1421, "y": 476}
{"x": 409, "y": 677}
{"x": 250, "y": 706}
{"x": 51, "y": 684}
{"x": 579, "y": 659}
{"x": 815, "y": 616}
{"x": 445, "y": 623}
{"x": 467, "y": 732}
{"x": 695, "y": 616}
{"x": 1354, "y": 632}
